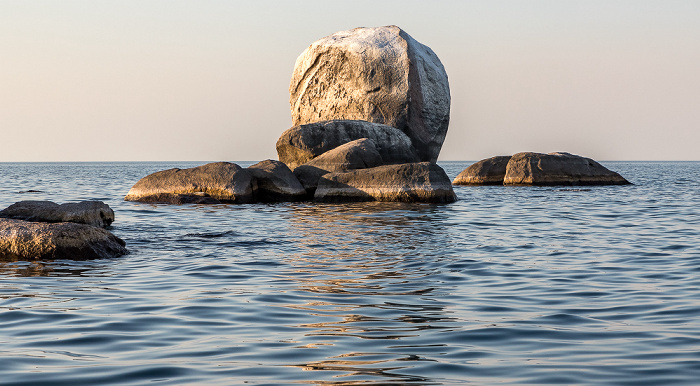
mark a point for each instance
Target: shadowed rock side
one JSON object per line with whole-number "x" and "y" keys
{"x": 415, "y": 182}
{"x": 558, "y": 169}
{"x": 95, "y": 213}
{"x": 26, "y": 240}
{"x": 358, "y": 154}
{"x": 379, "y": 75}
{"x": 301, "y": 144}
{"x": 218, "y": 182}
{"x": 275, "y": 182}
{"x": 490, "y": 171}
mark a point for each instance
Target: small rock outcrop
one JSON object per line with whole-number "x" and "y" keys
{"x": 27, "y": 240}
{"x": 414, "y": 182}
{"x": 558, "y": 169}
{"x": 275, "y": 182}
{"x": 358, "y": 154}
{"x": 379, "y": 75}
{"x": 218, "y": 182}
{"x": 95, "y": 213}
{"x": 301, "y": 144}
{"x": 490, "y": 171}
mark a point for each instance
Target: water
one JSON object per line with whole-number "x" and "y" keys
{"x": 508, "y": 285}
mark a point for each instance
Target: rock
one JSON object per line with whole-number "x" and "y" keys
{"x": 276, "y": 182}
{"x": 414, "y": 182}
{"x": 379, "y": 75}
{"x": 26, "y": 240}
{"x": 95, "y": 213}
{"x": 490, "y": 171}
{"x": 218, "y": 182}
{"x": 358, "y": 154}
{"x": 558, "y": 169}
{"x": 301, "y": 144}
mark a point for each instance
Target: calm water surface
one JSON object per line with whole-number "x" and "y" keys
{"x": 508, "y": 285}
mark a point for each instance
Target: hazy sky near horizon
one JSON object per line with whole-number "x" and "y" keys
{"x": 206, "y": 80}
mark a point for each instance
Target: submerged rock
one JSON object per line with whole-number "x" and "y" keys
{"x": 275, "y": 182}
{"x": 379, "y": 75}
{"x": 414, "y": 182}
{"x": 95, "y": 213}
{"x": 300, "y": 144}
{"x": 26, "y": 240}
{"x": 490, "y": 171}
{"x": 558, "y": 169}
{"x": 358, "y": 154}
{"x": 218, "y": 182}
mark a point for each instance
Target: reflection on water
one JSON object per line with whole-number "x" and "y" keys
{"x": 364, "y": 256}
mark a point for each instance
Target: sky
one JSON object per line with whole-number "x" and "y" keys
{"x": 207, "y": 80}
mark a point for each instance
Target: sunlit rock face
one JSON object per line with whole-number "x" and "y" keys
{"x": 379, "y": 75}
{"x": 207, "y": 184}
{"x": 29, "y": 240}
{"x": 300, "y": 144}
{"x": 95, "y": 213}
{"x": 358, "y": 154}
{"x": 414, "y": 182}
{"x": 558, "y": 169}
{"x": 275, "y": 182}
{"x": 490, "y": 171}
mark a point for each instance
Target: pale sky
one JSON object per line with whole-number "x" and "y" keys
{"x": 205, "y": 80}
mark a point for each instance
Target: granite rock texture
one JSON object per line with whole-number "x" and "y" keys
{"x": 558, "y": 169}
{"x": 28, "y": 240}
{"x": 490, "y": 171}
{"x": 379, "y": 75}
{"x": 413, "y": 182}
{"x": 301, "y": 144}
{"x": 275, "y": 182}
{"x": 358, "y": 154}
{"x": 95, "y": 213}
{"x": 218, "y": 182}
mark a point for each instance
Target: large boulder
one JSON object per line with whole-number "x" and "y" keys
{"x": 378, "y": 75}
{"x": 275, "y": 182}
{"x": 95, "y": 213}
{"x": 301, "y": 144}
{"x": 27, "y": 240}
{"x": 490, "y": 171}
{"x": 218, "y": 182}
{"x": 415, "y": 182}
{"x": 358, "y": 154}
{"x": 558, "y": 169}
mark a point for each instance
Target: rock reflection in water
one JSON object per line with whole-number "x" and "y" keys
{"x": 371, "y": 274}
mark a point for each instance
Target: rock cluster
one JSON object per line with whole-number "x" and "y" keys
{"x": 32, "y": 230}
{"x": 370, "y": 109}
{"x": 539, "y": 169}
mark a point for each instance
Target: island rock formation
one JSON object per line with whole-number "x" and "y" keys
{"x": 414, "y": 182}
{"x": 275, "y": 182}
{"x": 33, "y": 230}
{"x": 379, "y": 75}
{"x": 95, "y": 213}
{"x": 539, "y": 169}
{"x": 301, "y": 144}
{"x": 218, "y": 182}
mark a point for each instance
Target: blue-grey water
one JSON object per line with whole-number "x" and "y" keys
{"x": 509, "y": 285}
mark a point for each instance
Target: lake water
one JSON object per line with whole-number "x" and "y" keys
{"x": 508, "y": 285}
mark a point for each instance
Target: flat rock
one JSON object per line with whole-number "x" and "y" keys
{"x": 558, "y": 169}
{"x": 490, "y": 171}
{"x": 218, "y": 182}
{"x": 303, "y": 143}
{"x": 414, "y": 182}
{"x": 27, "y": 240}
{"x": 95, "y": 213}
{"x": 358, "y": 154}
{"x": 379, "y": 75}
{"x": 275, "y": 182}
